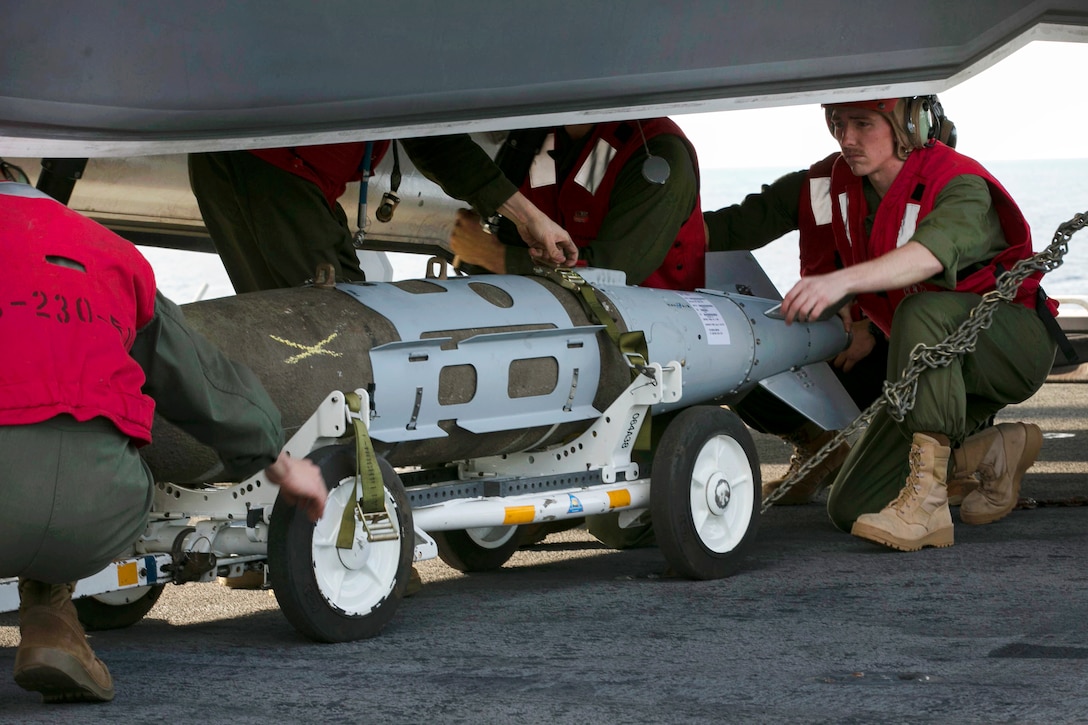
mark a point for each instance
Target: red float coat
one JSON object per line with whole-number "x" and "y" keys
{"x": 581, "y": 202}
{"x": 910, "y": 198}
{"x": 329, "y": 166}
{"x": 817, "y": 237}
{"x": 72, "y": 296}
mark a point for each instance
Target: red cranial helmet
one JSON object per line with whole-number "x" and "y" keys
{"x": 916, "y": 121}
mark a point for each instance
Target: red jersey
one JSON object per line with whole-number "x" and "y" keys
{"x": 72, "y": 296}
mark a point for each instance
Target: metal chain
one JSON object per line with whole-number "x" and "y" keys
{"x": 900, "y": 397}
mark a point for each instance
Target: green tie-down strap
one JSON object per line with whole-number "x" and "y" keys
{"x": 367, "y": 475}
{"x": 632, "y": 345}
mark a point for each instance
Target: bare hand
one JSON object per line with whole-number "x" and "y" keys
{"x": 548, "y": 242}
{"x": 812, "y": 296}
{"x": 301, "y": 484}
{"x": 473, "y": 245}
{"x": 862, "y": 343}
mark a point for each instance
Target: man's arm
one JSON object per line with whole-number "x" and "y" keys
{"x": 222, "y": 404}
{"x": 961, "y": 229}
{"x": 760, "y": 218}
{"x": 462, "y": 169}
{"x": 465, "y": 172}
{"x": 205, "y": 393}
{"x": 548, "y": 242}
{"x": 899, "y": 268}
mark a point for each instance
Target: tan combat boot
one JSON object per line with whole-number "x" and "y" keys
{"x": 53, "y": 656}
{"x": 961, "y": 485}
{"x": 919, "y": 516}
{"x": 807, "y": 442}
{"x": 1000, "y": 454}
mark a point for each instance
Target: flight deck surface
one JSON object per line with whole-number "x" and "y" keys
{"x": 816, "y": 626}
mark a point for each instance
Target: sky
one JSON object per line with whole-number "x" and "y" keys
{"x": 1030, "y": 105}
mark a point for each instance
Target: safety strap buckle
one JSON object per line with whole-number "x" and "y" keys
{"x": 367, "y": 503}
{"x": 379, "y": 527}
{"x": 565, "y": 277}
{"x": 354, "y": 410}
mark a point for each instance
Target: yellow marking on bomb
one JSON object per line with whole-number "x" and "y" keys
{"x": 309, "y": 350}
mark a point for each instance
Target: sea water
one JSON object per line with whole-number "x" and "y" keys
{"x": 1049, "y": 193}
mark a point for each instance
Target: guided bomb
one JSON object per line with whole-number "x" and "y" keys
{"x": 485, "y": 365}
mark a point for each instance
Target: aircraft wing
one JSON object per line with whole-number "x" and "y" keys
{"x": 122, "y": 78}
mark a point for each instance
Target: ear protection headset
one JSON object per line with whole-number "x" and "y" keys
{"x": 925, "y": 122}
{"x": 916, "y": 120}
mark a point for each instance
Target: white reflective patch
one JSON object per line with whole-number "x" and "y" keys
{"x": 542, "y": 171}
{"x": 596, "y": 165}
{"x": 909, "y": 225}
{"x": 844, "y": 209}
{"x": 819, "y": 195}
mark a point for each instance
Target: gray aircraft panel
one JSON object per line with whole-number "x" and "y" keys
{"x": 117, "y": 77}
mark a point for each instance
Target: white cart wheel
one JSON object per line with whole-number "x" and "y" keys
{"x": 340, "y": 595}
{"x": 705, "y": 492}
{"x": 480, "y": 549}
{"x": 116, "y": 610}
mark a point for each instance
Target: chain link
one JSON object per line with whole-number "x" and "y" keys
{"x": 899, "y": 397}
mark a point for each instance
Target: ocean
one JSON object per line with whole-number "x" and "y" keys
{"x": 1048, "y": 192}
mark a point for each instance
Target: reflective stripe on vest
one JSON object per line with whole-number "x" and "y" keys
{"x": 819, "y": 194}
